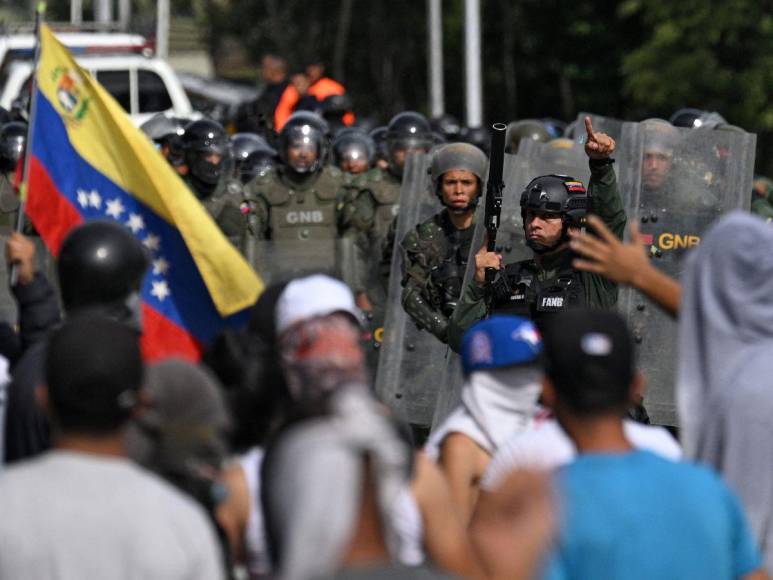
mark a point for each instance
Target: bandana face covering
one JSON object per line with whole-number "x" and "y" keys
{"x": 320, "y": 355}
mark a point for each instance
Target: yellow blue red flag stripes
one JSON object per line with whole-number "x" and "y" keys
{"x": 88, "y": 161}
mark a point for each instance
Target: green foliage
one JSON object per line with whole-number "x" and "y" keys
{"x": 709, "y": 55}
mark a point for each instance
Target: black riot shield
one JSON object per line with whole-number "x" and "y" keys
{"x": 532, "y": 160}
{"x": 675, "y": 183}
{"x": 412, "y": 362}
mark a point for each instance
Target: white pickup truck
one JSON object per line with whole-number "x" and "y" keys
{"x": 143, "y": 85}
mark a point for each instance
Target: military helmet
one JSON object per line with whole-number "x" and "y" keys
{"x": 460, "y": 157}
{"x": 379, "y": 138}
{"x": 660, "y": 136}
{"x": 525, "y": 129}
{"x": 162, "y": 126}
{"x": 244, "y": 144}
{"x": 202, "y": 140}
{"x": 407, "y": 131}
{"x": 695, "y": 118}
{"x": 257, "y": 164}
{"x": 478, "y": 136}
{"x": 447, "y": 125}
{"x": 353, "y": 144}
{"x": 308, "y": 130}
{"x": 556, "y": 194}
{"x": 100, "y": 263}
{"x": 13, "y": 136}
{"x": 165, "y": 130}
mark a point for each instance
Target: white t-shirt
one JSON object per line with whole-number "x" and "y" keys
{"x": 548, "y": 447}
{"x": 71, "y": 516}
{"x": 258, "y": 560}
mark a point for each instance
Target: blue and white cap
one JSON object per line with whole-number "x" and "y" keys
{"x": 500, "y": 341}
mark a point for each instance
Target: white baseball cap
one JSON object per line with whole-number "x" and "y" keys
{"x": 316, "y": 295}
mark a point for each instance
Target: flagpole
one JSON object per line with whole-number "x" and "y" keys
{"x": 39, "y": 13}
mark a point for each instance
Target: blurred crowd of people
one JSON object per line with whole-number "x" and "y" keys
{"x": 274, "y": 457}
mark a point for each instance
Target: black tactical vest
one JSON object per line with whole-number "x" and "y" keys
{"x": 530, "y": 290}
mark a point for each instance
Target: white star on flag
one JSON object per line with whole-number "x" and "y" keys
{"x": 95, "y": 200}
{"x": 135, "y": 223}
{"x": 83, "y": 198}
{"x": 115, "y": 208}
{"x": 160, "y": 267}
{"x": 160, "y": 290}
{"x": 152, "y": 242}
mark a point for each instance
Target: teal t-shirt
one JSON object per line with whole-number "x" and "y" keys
{"x": 638, "y": 516}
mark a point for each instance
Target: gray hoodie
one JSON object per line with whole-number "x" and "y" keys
{"x": 725, "y": 377}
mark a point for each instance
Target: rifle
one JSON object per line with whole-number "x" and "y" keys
{"x": 494, "y": 189}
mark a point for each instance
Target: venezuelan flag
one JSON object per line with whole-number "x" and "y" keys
{"x": 88, "y": 161}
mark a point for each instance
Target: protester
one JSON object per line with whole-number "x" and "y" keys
{"x": 83, "y": 510}
{"x": 628, "y": 512}
{"x": 182, "y": 437}
{"x": 499, "y": 400}
{"x": 100, "y": 268}
{"x": 725, "y": 337}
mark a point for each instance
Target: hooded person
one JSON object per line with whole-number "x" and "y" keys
{"x": 499, "y": 399}
{"x": 329, "y": 483}
{"x": 725, "y": 339}
{"x": 183, "y": 435}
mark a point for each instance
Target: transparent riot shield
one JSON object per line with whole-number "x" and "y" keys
{"x": 676, "y": 182}
{"x": 412, "y": 362}
{"x": 608, "y": 125}
{"x": 277, "y": 261}
{"x": 532, "y": 160}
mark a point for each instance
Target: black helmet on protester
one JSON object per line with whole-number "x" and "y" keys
{"x": 203, "y": 141}
{"x": 13, "y": 136}
{"x": 407, "y": 131}
{"x": 309, "y": 132}
{"x": 559, "y": 195}
{"x": 101, "y": 264}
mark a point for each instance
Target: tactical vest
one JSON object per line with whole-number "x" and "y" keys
{"x": 445, "y": 251}
{"x": 305, "y": 210}
{"x": 225, "y": 208}
{"x": 385, "y": 189}
{"x": 530, "y": 291}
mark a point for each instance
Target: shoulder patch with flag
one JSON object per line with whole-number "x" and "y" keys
{"x": 88, "y": 161}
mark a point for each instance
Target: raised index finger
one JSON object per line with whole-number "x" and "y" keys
{"x": 589, "y": 128}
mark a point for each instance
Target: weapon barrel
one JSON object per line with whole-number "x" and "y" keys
{"x": 494, "y": 188}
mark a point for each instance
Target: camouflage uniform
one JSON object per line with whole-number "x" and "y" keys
{"x": 435, "y": 257}
{"x": 534, "y": 283}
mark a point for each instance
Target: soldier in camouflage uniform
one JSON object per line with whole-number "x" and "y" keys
{"x": 207, "y": 168}
{"x": 550, "y": 206}
{"x": 435, "y": 253}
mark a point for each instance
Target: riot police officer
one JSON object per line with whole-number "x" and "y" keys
{"x": 253, "y": 156}
{"x": 353, "y": 151}
{"x": 525, "y": 129}
{"x": 435, "y": 252}
{"x": 207, "y": 168}
{"x": 13, "y": 136}
{"x": 297, "y": 206}
{"x": 166, "y": 131}
{"x": 551, "y": 205}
